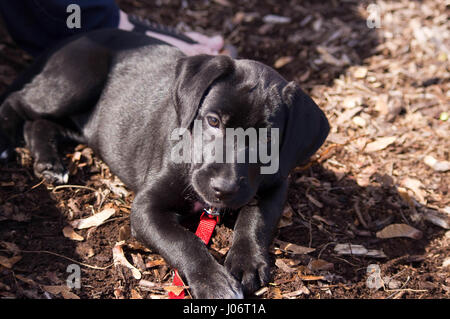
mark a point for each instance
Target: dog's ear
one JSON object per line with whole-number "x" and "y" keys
{"x": 194, "y": 75}
{"x": 306, "y": 130}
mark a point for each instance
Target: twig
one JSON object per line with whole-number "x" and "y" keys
{"x": 360, "y": 217}
{"x": 323, "y": 248}
{"x": 102, "y": 197}
{"x": 24, "y": 192}
{"x": 310, "y": 234}
{"x": 345, "y": 261}
{"x": 38, "y": 184}
{"x": 61, "y": 256}
{"x": 56, "y": 188}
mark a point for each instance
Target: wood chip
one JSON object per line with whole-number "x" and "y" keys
{"x": 272, "y": 18}
{"x": 70, "y": 233}
{"x": 280, "y": 62}
{"x": 360, "y": 73}
{"x": 94, "y": 220}
{"x": 399, "y": 230}
{"x": 314, "y": 201}
{"x": 437, "y": 219}
{"x": 438, "y": 166}
{"x": 416, "y": 186}
{"x": 380, "y": 144}
{"x": 261, "y": 291}
{"x": 347, "y": 115}
{"x": 135, "y": 294}
{"x": 352, "y": 249}
{"x": 301, "y": 291}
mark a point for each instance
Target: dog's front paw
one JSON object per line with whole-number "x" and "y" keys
{"x": 52, "y": 171}
{"x": 250, "y": 266}
{"x": 218, "y": 283}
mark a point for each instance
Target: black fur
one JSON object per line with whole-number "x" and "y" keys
{"x": 123, "y": 94}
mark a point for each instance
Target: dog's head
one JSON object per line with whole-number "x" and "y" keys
{"x": 243, "y": 110}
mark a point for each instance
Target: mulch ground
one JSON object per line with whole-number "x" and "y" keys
{"x": 368, "y": 219}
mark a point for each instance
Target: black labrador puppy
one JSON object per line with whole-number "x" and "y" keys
{"x": 124, "y": 94}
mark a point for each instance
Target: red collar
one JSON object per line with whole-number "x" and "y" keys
{"x": 208, "y": 221}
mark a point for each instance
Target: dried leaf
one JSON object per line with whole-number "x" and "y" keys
{"x": 124, "y": 233}
{"x": 9, "y": 262}
{"x": 54, "y": 290}
{"x": 175, "y": 289}
{"x": 120, "y": 260}
{"x": 10, "y": 247}
{"x": 286, "y": 217}
{"x": 276, "y": 293}
{"x": 380, "y": 144}
{"x": 71, "y": 234}
{"x": 155, "y": 263}
{"x": 293, "y": 248}
{"x": 26, "y": 280}
{"x": 73, "y": 205}
{"x": 280, "y": 62}
{"x": 320, "y": 264}
{"x": 61, "y": 289}
{"x": 399, "y": 230}
{"x": 94, "y": 220}
{"x": 283, "y": 266}
{"x": 69, "y": 295}
{"x": 117, "y": 187}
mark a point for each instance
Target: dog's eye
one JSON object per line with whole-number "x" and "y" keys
{"x": 213, "y": 121}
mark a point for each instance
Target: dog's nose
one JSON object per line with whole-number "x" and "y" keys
{"x": 224, "y": 189}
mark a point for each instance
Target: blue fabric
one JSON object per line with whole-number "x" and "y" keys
{"x": 36, "y": 25}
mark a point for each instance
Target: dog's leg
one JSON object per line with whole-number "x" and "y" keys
{"x": 157, "y": 227}
{"x": 67, "y": 83}
{"x": 248, "y": 258}
{"x": 42, "y": 138}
